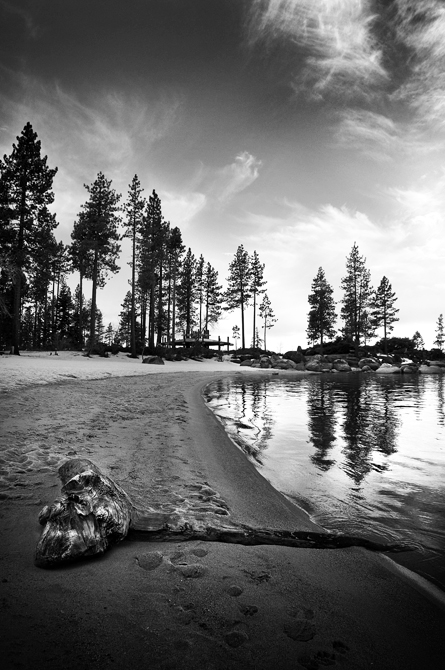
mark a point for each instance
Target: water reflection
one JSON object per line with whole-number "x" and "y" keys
{"x": 362, "y": 453}
{"x": 321, "y": 409}
{"x": 369, "y": 425}
{"x": 246, "y": 413}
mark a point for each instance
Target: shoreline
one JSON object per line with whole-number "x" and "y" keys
{"x": 194, "y": 604}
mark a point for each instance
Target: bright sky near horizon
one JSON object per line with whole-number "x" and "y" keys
{"x": 293, "y": 127}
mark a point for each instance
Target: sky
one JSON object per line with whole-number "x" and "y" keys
{"x": 293, "y": 127}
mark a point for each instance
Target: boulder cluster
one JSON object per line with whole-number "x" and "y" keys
{"x": 296, "y": 360}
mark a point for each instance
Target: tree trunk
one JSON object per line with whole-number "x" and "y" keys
{"x": 18, "y": 278}
{"x": 34, "y": 334}
{"x": 151, "y": 320}
{"x": 80, "y": 311}
{"x": 16, "y": 318}
{"x": 174, "y": 308}
{"x": 243, "y": 343}
{"x": 160, "y": 306}
{"x": 384, "y": 335}
{"x": 254, "y": 320}
{"x": 93, "y": 304}
{"x": 133, "y": 310}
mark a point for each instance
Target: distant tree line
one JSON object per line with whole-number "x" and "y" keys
{"x": 363, "y": 309}
{"x": 172, "y": 292}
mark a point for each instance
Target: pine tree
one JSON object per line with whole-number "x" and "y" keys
{"x": 109, "y": 335}
{"x": 357, "y": 295}
{"x": 40, "y": 276}
{"x": 418, "y": 342}
{"x": 64, "y": 316}
{"x": 199, "y": 283}
{"x": 175, "y": 250}
{"x": 257, "y": 341}
{"x": 81, "y": 256}
{"x": 99, "y": 333}
{"x": 238, "y": 292}
{"x": 383, "y": 312}
{"x": 60, "y": 266}
{"x": 322, "y": 316}
{"x": 101, "y": 221}
{"x": 257, "y": 285}
{"x": 186, "y": 294}
{"x": 440, "y": 336}
{"x": 134, "y": 209}
{"x": 125, "y": 321}
{"x": 235, "y": 335}
{"x": 26, "y": 191}
{"x": 152, "y": 258}
{"x": 267, "y": 315}
{"x": 212, "y": 296}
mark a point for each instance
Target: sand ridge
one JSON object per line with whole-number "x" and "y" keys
{"x": 182, "y": 605}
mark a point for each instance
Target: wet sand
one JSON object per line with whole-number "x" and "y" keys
{"x": 184, "y": 605}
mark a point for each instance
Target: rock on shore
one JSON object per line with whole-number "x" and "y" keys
{"x": 296, "y": 360}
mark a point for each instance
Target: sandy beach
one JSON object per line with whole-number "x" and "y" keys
{"x": 180, "y": 605}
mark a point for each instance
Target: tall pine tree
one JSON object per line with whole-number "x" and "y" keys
{"x": 26, "y": 188}
{"x": 257, "y": 285}
{"x": 186, "y": 294}
{"x": 322, "y": 316}
{"x": 238, "y": 292}
{"x": 212, "y": 296}
{"x": 175, "y": 250}
{"x": 356, "y": 300}
{"x": 268, "y": 316}
{"x": 383, "y": 312}
{"x": 101, "y": 237}
{"x": 134, "y": 208}
{"x": 440, "y": 337}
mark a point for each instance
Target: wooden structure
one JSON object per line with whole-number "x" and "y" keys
{"x": 195, "y": 337}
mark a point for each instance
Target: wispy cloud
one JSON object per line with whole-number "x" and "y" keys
{"x": 421, "y": 27}
{"x": 372, "y": 134}
{"x": 348, "y": 52}
{"x": 103, "y": 130}
{"x": 181, "y": 208}
{"x": 234, "y": 178}
{"x": 342, "y": 57}
{"x": 107, "y": 132}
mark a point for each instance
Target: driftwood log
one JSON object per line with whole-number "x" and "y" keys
{"x": 94, "y": 513}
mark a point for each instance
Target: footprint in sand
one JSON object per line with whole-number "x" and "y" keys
{"x": 300, "y": 630}
{"x": 234, "y": 590}
{"x": 192, "y": 570}
{"x": 236, "y": 638}
{"x": 259, "y": 577}
{"x": 150, "y": 560}
{"x": 324, "y": 658}
{"x": 248, "y": 610}
{"x": 199, "y": 552}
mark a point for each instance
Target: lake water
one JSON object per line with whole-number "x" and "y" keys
{"x": 363, "y": 454}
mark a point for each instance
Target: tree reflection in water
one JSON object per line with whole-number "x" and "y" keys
{"x": 362, "y": 453}
{"x": 370, "y": 424}
{"x": 321, "y": 409}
